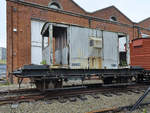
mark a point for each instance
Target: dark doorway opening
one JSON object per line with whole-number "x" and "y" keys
{"x": 122, "y": 58}
{"x": 122, "y": 50}
{"x": 60, "y": 50}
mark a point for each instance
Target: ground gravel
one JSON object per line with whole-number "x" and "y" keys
{"x": 15, "y": 86}
{"x": 79, "y": 106}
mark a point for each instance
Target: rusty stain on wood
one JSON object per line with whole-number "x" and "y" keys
{"x": 95, "y": 63}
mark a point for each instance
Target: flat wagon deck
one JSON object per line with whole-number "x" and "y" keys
{"x": 44, "y": 76}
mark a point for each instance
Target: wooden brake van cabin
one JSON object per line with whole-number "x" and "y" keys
{"x": 75, "y": 47}
{"x": 25, "y": 19}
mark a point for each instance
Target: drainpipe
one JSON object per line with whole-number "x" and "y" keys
{"x": 10, "y": 75}
{"x": 89, "y": 22}
{"x": 138, "y": 30}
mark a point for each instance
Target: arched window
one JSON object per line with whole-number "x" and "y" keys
{"x": 113, "y": 18}
{"x": 55, "y": 5}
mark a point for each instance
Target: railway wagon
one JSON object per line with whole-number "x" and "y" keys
{"x": 73, "y": 47}
{"x": 71, "y": 51}
{"x": 140, "y": 53}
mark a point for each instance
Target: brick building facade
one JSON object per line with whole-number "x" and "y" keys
{"x": 145, "y": 23}
{"x": 26, "y": 17}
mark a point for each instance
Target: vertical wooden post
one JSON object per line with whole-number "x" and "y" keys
{"x": 53, "y": 50}
{"x": 128, "y": 50}
{"x": 51, "y": 43}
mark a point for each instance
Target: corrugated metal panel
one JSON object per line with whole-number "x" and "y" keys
{"x": 80, "y": 51}
{"x": 78, "y": 47}
{"x": 128, "y": 50}
{"x": 65, "y": 56}
{"x": 140, "y": 55}
{"x": 61, "y": 58}
{"x": 61, "y": 49}
{"x": 84, "y": 56}
{"x": 46, "y": 55}
{"x": 95, "y": 52}
{"x": 110, "y": 50}
{"x": 36, "y": 41}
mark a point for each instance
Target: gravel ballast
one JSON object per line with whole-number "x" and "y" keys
{"x": 79, "y": 106}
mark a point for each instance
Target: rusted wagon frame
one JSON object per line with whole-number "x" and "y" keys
{"x": 45, "y": 77}
{"x": 43, "y": 71}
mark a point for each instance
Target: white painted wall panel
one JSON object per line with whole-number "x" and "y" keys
{"x": 79, "y": 47}
{"x": 80, "y": 50}
{"x": 36, "y": 41}
{"x": 110, "y": 50}
{"x": 128, "y": 50}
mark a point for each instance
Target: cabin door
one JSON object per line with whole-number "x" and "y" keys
{"x": 110, "y": 50}
{"x": 60, "y": 49}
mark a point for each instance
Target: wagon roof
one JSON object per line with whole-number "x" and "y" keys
{"x": 44, "y": 29}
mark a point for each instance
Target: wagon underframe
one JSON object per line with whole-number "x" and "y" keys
{"x": 43, "y": 74}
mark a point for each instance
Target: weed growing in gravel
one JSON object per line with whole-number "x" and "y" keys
{"x": 6, "y": 83}
{"x": 144, "y": 111}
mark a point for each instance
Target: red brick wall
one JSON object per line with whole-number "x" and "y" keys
{"x": 68, "y": 5}
{"x": 112, "y": 11}
{"x": 145, "y": 23}
{"x": 19, "y": 16}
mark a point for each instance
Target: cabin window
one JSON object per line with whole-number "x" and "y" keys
{"x": 46, "y": 42}
{"x": 113, "y": 18}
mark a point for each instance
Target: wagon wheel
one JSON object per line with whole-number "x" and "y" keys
{"x": 59, "y": 83}
{"x": 108, "y": 80}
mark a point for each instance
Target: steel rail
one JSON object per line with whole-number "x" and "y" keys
{"x": 56, "y": 94}
{"x": 117, "y": 109}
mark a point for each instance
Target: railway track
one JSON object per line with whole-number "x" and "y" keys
{"x": 17, "y": 91}
{"x": 123, "y": 109}
{"x": 71, "y": 93}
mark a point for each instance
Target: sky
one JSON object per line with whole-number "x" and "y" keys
{"x": 136, "y": 10}
{"x": 2, "y": 23}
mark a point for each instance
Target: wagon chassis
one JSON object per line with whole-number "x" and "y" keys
{"x": 46, "y": 78}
